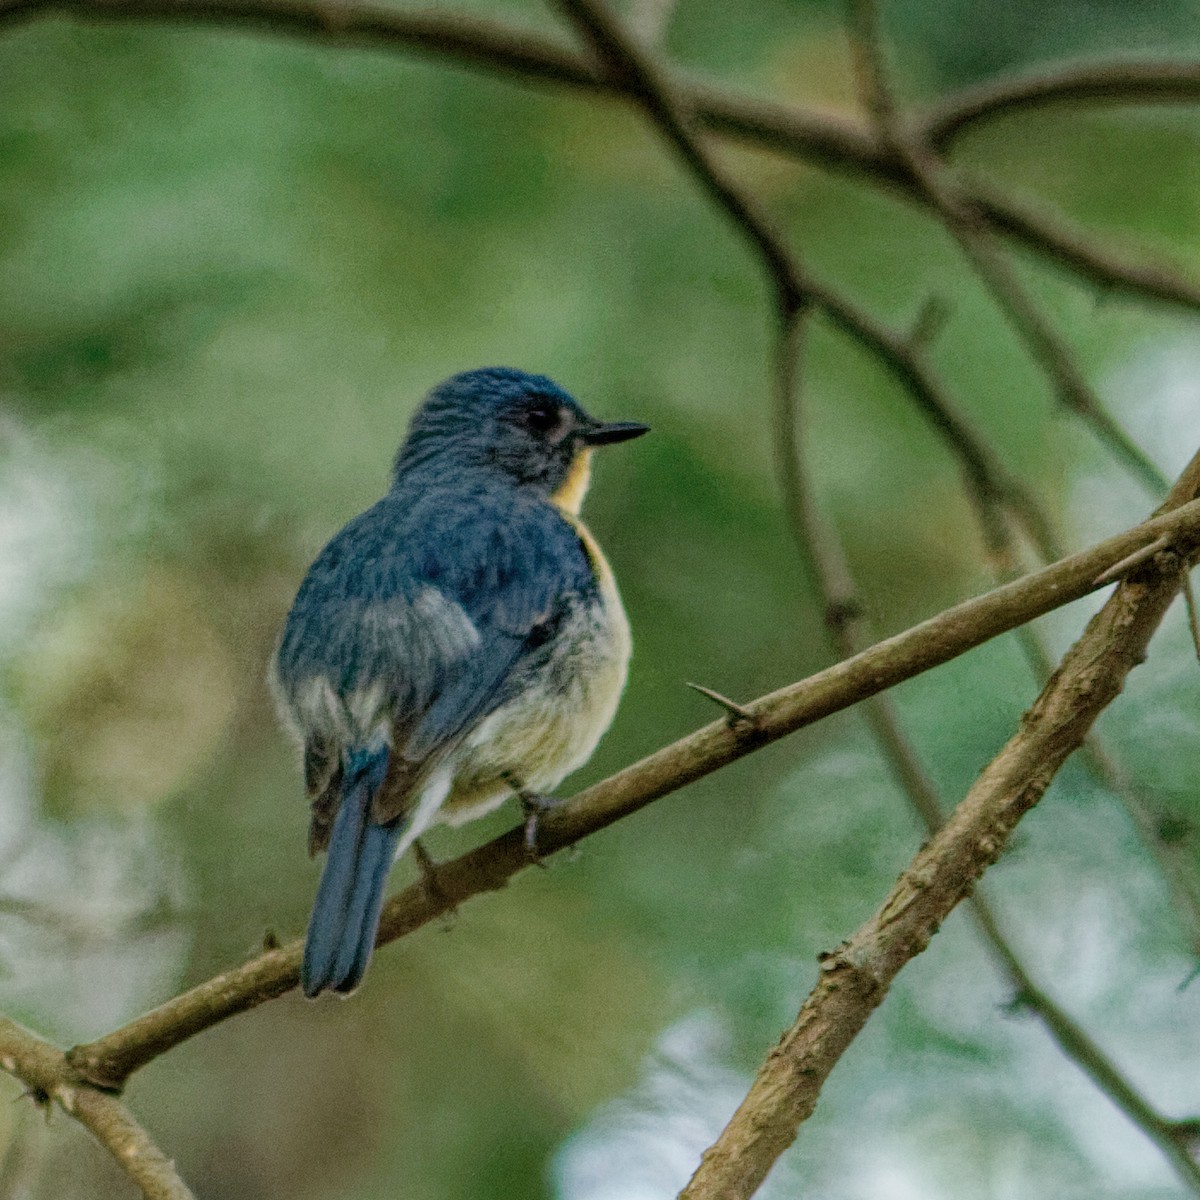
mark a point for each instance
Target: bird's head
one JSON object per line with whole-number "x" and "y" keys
{"x": 524, "y": 427}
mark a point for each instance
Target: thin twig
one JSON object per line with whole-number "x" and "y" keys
{"x": 904, "y": 358}
{"x": 967, "y": 226}
{"x": 109, "y": 1061}
{"x": 671, "y": 116}
{"x": 1050, "y": 235}
{"x": 1193, "y": 620}
{"x": 794, "y": 288}
{"x": 1121, "y": 83}
{"x": 482, "y": 44}
{"x": 45, "y": 1071}
{"x": 1132, "y": 562}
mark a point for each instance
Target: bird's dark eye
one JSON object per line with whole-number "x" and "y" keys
{"x": 542, "y": 416}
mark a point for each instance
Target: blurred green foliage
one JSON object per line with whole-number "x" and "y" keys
{"x": 229, "y": 267}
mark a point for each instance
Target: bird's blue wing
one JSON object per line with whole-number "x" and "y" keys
{"x": 516, "y": 580}
{"x": 426, "y": 616}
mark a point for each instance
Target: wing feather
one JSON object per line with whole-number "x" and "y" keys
{"x": 421, "y": 619}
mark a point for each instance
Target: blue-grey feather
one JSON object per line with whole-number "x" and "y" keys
{"x": 511, "y": 566}
{"x": 350, "y": 895}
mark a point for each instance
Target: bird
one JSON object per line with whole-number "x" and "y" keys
{"x": 459, "y": 642}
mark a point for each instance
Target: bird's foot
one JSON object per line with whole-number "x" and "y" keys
{"x": 428, "y": 867}
{"x": 533, "y": 805}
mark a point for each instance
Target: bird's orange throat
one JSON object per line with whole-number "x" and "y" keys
{"x": 569, "y": 497}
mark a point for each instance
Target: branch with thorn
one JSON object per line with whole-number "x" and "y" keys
{"x": 51, "y": 1080}
{"x": 109, "y": 1061}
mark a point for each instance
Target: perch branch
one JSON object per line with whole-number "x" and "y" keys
{"x": 109, "y": 1061}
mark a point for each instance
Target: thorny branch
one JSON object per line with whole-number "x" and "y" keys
{"x": 51, "y": 1080}
{"x": 847, "y": 627}
{"x": 109, "y": 1061}
{"x": 857, "y": 975}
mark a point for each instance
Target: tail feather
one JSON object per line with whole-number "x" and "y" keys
{"x": 345, "y": 915}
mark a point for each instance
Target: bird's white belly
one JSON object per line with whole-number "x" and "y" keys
{"x": 552, "y": 727}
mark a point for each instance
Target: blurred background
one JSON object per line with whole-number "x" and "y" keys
{"x": 230, "y": 265}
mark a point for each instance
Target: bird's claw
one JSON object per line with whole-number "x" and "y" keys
{"x": 428, "y": 867}
{"x": 533, "y": 805}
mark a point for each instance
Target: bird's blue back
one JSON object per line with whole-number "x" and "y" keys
{"x": 511, "y": 562}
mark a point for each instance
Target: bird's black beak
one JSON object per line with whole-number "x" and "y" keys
{"x": 607, "y": 433}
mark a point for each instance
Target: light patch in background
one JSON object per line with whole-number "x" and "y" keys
{"x": 88, "y": 929}
{"x": 47, "y": 528}
{"x": 645, "y": 1145}
{"x": 1156, "y": 396}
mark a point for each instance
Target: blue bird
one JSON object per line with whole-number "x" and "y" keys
{"x": 459, "y": 642}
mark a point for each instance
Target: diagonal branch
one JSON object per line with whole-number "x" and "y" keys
{"x": 648, "y": 83}
{"x": 110, "y": 1061}
{"x": 45, "y": 1072}
{"x": 794, "y": 288}
{"x": 948, "y": 200}
{"x": 856, "y": 977}
{"x": 827, "y": 561}
{"x": 622, "y": 54}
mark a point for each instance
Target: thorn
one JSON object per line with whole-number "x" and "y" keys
{"x": 1130, "y": 561}
{"x": 1016, "y": 1005}
{"x": 736, "y": 714}
{"x": 270, "y": 940}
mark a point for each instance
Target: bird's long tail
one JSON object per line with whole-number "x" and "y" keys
{"x": 345, "y": 915}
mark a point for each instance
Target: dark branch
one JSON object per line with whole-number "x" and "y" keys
{"x": 1083, "y": 83}
{"x": 491, "y": 46}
